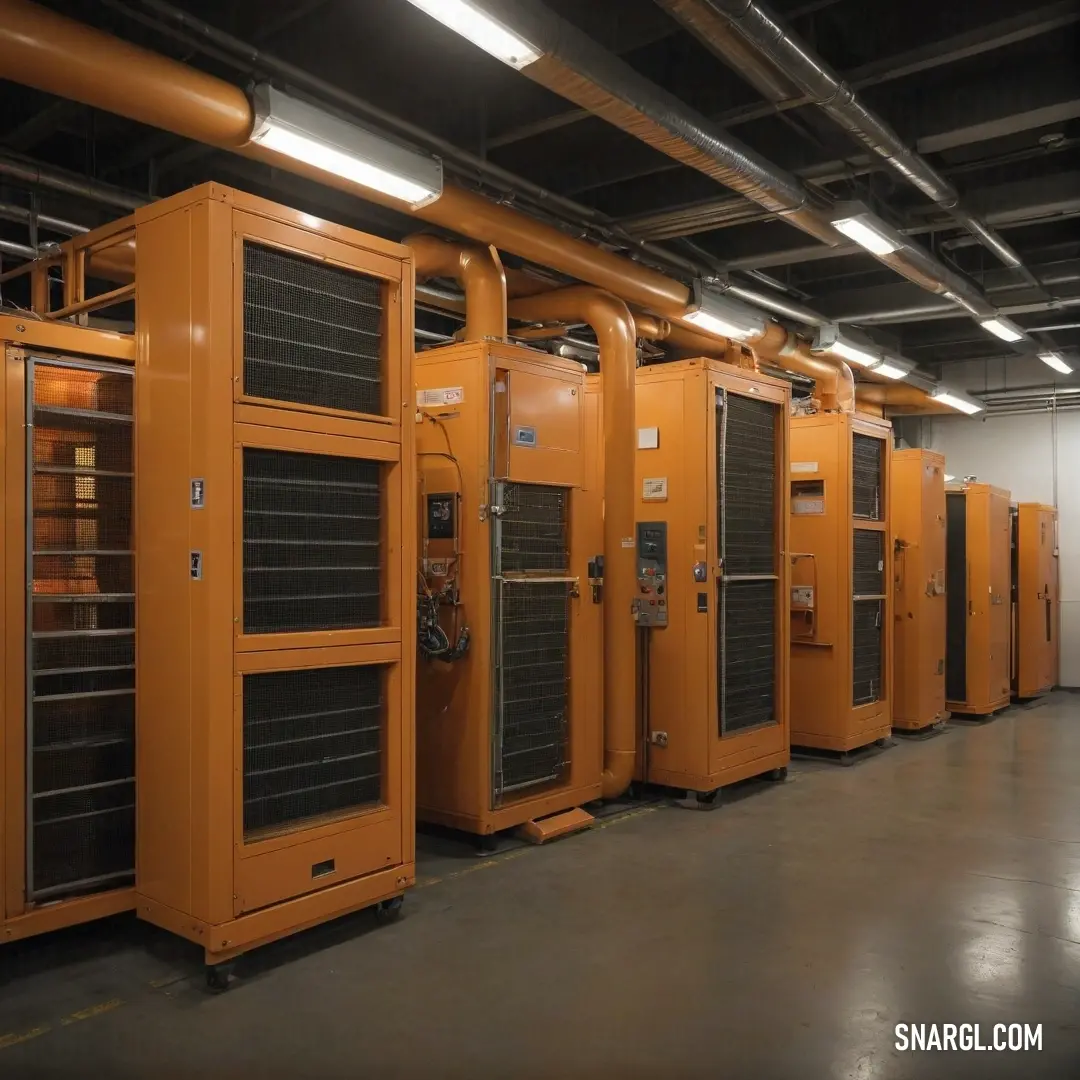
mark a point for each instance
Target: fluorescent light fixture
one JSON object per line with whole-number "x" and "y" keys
{"x": 855, "y": 348}
{"x": 867, "y": 231}
{"x": 1054, "y": 360}
{"x": 949, "y": 479}
{"x": 307, "y": 133}
{"x": 893, "y": 367}
{"x": 473, "y": 23}
{"x": 955, "y": 399}
{"x": 724, "y": 316}
{"x": 1002, "y": 328}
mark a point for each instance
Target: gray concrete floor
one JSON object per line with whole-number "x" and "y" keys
{"x": 782, "y": 935}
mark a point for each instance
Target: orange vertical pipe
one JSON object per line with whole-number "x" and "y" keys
{"x": 611, "y": 321}
{"x": 478, "y": 270}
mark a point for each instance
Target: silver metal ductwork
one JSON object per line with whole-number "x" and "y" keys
{"x": 719, "y": 23}
{"x": 573, "y": 65}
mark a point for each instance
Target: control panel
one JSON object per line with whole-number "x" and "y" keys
{"x": 650, "y": 606}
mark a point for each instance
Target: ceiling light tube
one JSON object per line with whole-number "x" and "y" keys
{"x": 307, "y": 133}
{"x": 485, "y": 31}
{"x": 855, "y": 348}
{"x": 1002, "y": 328}
{"x": 949, "y": 479}
{"x": 893, "y": 367}
{"x": 721, "y": 315}
{"x": 1054, "y": 360}
{"x": 867, "y": 231}
{"x": 956, "y": 399}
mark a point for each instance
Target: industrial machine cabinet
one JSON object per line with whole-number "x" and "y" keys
{"x": 510, "y": 732}
{"x": 67, "y": 743}
{"x": 918, "y": 520}
{"x": 977, "y": 657}
{"x": 711, "y": 472}
{"x": 276, "y": 636}
{"x": 1035, "y": 599}
{"x": 841, "y": 598}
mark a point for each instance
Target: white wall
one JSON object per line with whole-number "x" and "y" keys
{"x": 1018, "y": 453}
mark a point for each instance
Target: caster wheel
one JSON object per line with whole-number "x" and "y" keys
{"x": 217, "y": 977}
{"x": 387, "y": 911}
{"x": 777, "y": 775}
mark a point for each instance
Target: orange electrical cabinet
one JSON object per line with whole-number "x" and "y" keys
{"x": 711, "y": 473}
{"x": 1035, "y": 599}
{"x": 510, "y": 732}
{"x": 918, "y": 521}
{"x": 841, "y": 598}
{"x": 276, "y": 493}
{"x": 67, "y": 742}
{"x": 977, "y": 657}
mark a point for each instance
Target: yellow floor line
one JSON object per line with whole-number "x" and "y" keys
{"x": 92, "y": 1011}
{"x": 14, "y": 1040}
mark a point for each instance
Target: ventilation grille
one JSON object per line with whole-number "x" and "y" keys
{"x": 312, "y": 332}
{"x": 866, "y": 462}
{"x": 312, "y": 542}
{"x": 81, "y": 648}
{"x": 533, "y": 528}
{"x": 746, "y": 430}
{"x": 956, "y": 596}
{"x": 531, "y": 683}
{"x": 868, "y": 562}
{"x": 312, "y": 745}
{"x": 747, "y": 655}
{"x": 866, "y": 636}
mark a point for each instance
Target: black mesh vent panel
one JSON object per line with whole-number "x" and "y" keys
{"x": 312, "y": 745}
{"x": 866, "y": 637}
{"x": 532, "y": 692}
{"x": 747, "y": 655}
{"x": 868, "y": 562}
{"x": 866, "y": 458}
{"x": 533, "y": 527}
{"x": 746, "y": 445}
{"x": 81, "y": 647}
{"x": 312, "y": 542}
{"x": 312, "y": 332}
{"x": 956, "y": 596}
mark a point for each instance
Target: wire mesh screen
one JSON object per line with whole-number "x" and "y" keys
{"x": 866, "y": 638}
{"x": 868, "y": 562}
{"x": 312, "y": 332}
{"x": 531, "y": 683}
{"x": 312, "y": 542}
{"x": 312, "y": 745}
{"x": 866, "y": 478}
{"x": 747, "y": 654}
{"x": 956, "y": 596}
{"x": 746, "y": 432}
{"x": 533, "y": 528}
{"x": 81, "y": 624}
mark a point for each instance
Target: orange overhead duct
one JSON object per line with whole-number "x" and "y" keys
{"x": 478, "y": 270}
{"x": 900, "y": 397}
{"x": 611, "y": 321}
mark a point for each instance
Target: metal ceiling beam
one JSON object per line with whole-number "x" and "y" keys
{"x": 935, "y": 54}
{"x": 1009, "y": 124}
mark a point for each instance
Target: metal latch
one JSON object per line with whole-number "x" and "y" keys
{"x": 658, "y": 738}
{"x": 596, "y": 578}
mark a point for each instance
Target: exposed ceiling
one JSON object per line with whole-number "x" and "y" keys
{"x": 988, "y": 93}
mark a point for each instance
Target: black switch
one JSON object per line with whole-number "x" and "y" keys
{"x": 703, "y": 601}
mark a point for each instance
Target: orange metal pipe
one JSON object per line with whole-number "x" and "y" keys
{"x": 478, "y": 270}
{"x": 611, "y": 321}
{"x": 901, "y": 396}
{"x": 59, "y": 56}
{"x": 834, "y": 383}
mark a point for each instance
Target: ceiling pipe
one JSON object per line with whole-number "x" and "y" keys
{"x": 54, "y": 54}
{"x": 20, "y": 251}
{"x": 32, "y": 175}
{"x": 11, "y": 212}
{"x": 478, "y": 270}
{"x": 899, "y": 396}
{"x": 717, "y": 22}
{"x": 612, "y": 323}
